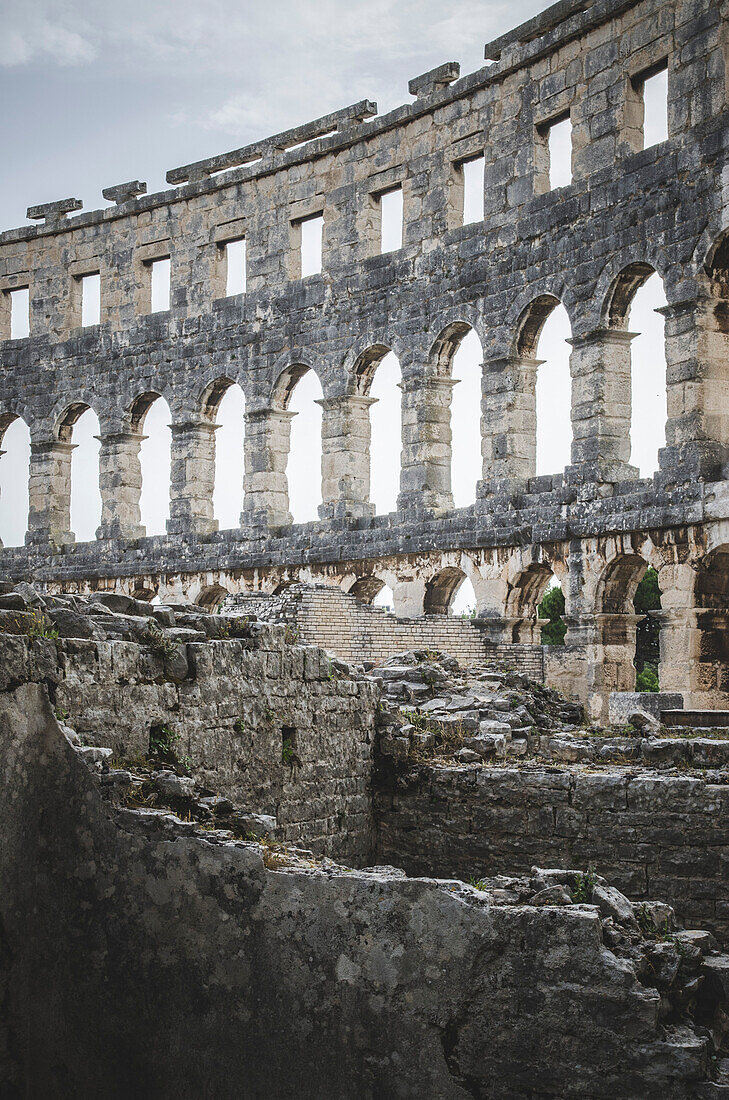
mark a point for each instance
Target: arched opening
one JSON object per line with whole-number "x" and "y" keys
{"x": 212, "y": 597}
{"x": 385, "y": 598}
{"x": 298, "y": 390}
{"x": 440, "y": 590}
{"x": 14, "y": 474}
{"x": 151, "y": 414}
{"x": 146, "y": 593}
{"x": 380, "y": 379}
{"x": 225, "y": 406}
{"x": 628, "y": 590}
{"x": 80, "y": 426}
{"x": 463, "y": 604}
{"x": 635, "y": 298}
{"x": 524, "y": 601}
{"x": 548, "y": 332}
{"x": 458, "y": 354}
{"x": 551, "y": 614}
{"x": 366, "y": 588}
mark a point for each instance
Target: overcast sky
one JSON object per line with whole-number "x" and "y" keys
{"x": 97, "y": 93}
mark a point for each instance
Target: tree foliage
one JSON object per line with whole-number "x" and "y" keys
{"x": 552, "y": 608}
{"x": 647, "y": 598}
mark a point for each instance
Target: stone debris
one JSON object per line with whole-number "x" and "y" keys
{"x": 433, "y": 709}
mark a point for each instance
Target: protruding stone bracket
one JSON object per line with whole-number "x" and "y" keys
{"x": 53, "y": 212}
{"x": 123, "y": 192}
{"x": 279, "y": 143}
{"x": 435, "y": 80}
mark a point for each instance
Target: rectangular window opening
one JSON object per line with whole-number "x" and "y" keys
{"x": 160, "y": 280}
{"x": 19, "y": 313}
{"x": 559, "y": 136}
{"x": 391, "y": 220}
{"x": 654, "y": 90}
{"x": 235, "y": 261}
{"x": 312, "y": 232}
{"x": 90, "y": 300}
{"x": 473, "y": 177}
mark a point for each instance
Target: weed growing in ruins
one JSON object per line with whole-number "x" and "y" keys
{"x": 291, "y": 635}
{"x": 32, "y": 624}
{"x": 288, "y": 752}
{"x": 239, "y": 726}
{"x": 157, "y": 642}
{"x": 162, "y": 741}
{"x": 61, "y": 715}
{"x": 582, "y": 891}
{"x": 477, "y": 883}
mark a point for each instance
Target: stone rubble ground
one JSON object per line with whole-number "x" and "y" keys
{"x": 434, "y": 710}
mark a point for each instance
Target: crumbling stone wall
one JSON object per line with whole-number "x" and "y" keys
{"x": 142, "y": 953}
{"x": 650, "y": 834}
{"x": 628, "y": 211}
{"x": 231, "y": 702}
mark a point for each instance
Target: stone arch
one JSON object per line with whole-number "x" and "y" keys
{"x": 366, "y": 365}
{"x": 366, "y": 588}
{"x": 139, "y": 408}
{"x": 14, "y": 478}
{"x": 67, "y": 420}
{"x": 716, "y": 266}
{"x": 544, "y": 385}
{"x": 287, "y": 382}
{"x": 211, "y": 596}
{"x": 457, "y": 355}
{"x": 526, "y": 593}
{"x": 621, "y": 292}
{"x": 155, "y": 455}
{"x": 299, "y": 441}
{"x": 531, "y": 323}
{"x": 445, "y": 346}
{"x": 213, "y": 394}
{"x": 144, "y": 591}
{"x": 441, "y": 588}
{"x": 222, "y": 405}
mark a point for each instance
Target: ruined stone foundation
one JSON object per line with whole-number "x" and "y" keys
{"x": 172, "y": 922}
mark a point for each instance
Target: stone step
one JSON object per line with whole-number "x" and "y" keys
{"x": 702, "y": 719}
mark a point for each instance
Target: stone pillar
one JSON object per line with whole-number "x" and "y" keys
{"x": 49, "y": 493}
{"x": 600, "y": 367}
{"x": 425, "y": 477}
{"x": 345, "y": 459}
{"x": 266, "y": 445}
{"x": 408, "y": 594}
{"x": 508, "y": 422}
{"x": 192, "y": 478}
{"x": 697, "y": 380}
{"x": 120, "y": 482}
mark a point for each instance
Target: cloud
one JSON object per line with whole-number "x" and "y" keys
{"x": 28, "y": 35}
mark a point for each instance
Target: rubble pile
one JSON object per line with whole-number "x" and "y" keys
{"x": 433, "y": 709}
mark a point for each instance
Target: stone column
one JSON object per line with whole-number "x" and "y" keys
{"x": 425, "y": 478}
{"x": 49, "y": 493}
{"x": 345, "y": 459}
{"x": 600, "y": 366}
{"x": 192, "y": 478}
{"x": 120, "y": 482}
{"x": 266, "y": 446}
{"x": 508, "y": 423}
{"x": 697, "y": 378}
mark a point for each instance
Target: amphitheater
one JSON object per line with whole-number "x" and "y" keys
{"x": 241, "y": 921}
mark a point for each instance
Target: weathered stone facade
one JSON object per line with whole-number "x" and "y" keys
{"x": 628, "y": 211}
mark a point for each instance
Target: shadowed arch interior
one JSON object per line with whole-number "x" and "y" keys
{"x": 440, "y": 590}
{"x": 366, "y": 588}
